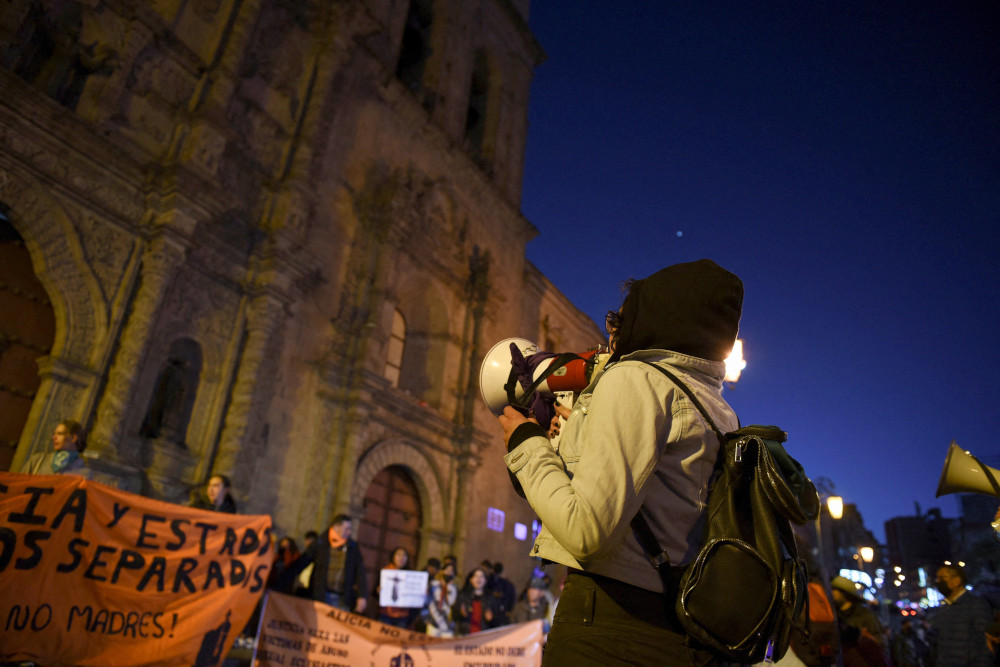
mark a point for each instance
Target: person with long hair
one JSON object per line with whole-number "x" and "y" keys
{"x": 478, "y": 609}
{"x": 286, "y": 554}
{"x": 65, "y": 458}
{"x": 397, "y": 616}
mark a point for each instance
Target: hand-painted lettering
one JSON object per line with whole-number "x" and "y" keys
{"x": 75, "y": 505}
{"x": 176, "y": 527}
{"x": 28, "y": 516}
{"x": 144, "y": 533}
{"x": 117, "y": 513}
{"x": 31, "y": 540}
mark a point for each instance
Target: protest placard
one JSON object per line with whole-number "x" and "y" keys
{"x": 402, "y": 588}
{"x": 96, "y": 576}
{"x": 295, "y": 632}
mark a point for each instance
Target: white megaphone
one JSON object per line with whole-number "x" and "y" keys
{"x": 964, "y": 473}
{"x": 495, "y": 373}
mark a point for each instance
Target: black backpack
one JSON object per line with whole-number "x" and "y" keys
{"x": 740, "y": 595}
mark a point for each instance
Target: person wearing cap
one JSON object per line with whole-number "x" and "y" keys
{"x": 533, "y": 605}
{"x": 960, "y": 626}
{"x": 633, "y": 442}
{"x": 856, "y": 620}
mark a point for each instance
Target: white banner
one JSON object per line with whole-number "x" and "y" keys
{"x": 299, "y": 632}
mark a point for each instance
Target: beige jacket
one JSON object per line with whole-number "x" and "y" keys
{"x": 633, "y": 440}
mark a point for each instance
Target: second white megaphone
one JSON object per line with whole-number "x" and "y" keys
{"x": 964, "y": 473}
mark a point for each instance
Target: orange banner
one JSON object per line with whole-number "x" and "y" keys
{"x": 95, "y": 576}
{"x": 294, "y": 631}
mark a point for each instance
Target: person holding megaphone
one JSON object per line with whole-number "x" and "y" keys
{"x": 633, "y": 442}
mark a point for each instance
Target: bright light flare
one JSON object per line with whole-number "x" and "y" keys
{"x": 836, "y": 506}
{"x": 735, "y": 363}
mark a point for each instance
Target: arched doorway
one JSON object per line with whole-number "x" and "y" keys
{"x": 27, "y": 330}
{"x": 392, "y": 518}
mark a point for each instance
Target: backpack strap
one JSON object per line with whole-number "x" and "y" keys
{"x": 657, "y": 554}
{"x": 694, "y": 399}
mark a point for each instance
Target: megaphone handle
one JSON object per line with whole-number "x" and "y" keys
{"x": 522, "y": 404}
{"x": 511, "y": 387}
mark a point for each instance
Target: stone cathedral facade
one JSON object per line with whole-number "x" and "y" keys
{"x": 274, "y": 239}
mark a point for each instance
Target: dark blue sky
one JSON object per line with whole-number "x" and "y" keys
{"x": 844, "y": 160}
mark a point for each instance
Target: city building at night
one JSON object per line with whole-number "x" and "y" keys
{"x": 274, "y": 240}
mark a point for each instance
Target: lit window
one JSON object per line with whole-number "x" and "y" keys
{"x": 394, "y": 355}
{"x": 536, "y": 527}
{"x": 520, "y": 531}
{"x": 494, "y": 519}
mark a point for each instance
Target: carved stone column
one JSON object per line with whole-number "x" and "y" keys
{"x": 160, "y": 262}
{"x": 263, "y": 320}
{"x": 466, "y": 468}
{"x": 63, "y": 383}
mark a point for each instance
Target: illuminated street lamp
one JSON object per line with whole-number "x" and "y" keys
{"x": 735, "y": 363}
{"x": 835, "y": 506}
{"x": 866, "y": 555}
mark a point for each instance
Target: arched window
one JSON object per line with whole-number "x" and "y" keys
{"x": 475, "y": 117}
{"x": 416, "y": 45}
{"x": 173, "y": 397}
{"x": 394, "y": 354}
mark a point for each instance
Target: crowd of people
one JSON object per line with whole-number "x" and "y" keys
{"x": 330, "y": 569}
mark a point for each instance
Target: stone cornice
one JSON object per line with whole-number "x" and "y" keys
{"x": 64, "y": 151}
{"x": 532, "y": 44}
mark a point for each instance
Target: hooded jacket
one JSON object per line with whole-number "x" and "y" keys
{"x": 691, "y": 308}
{"x": 634, "y": 440}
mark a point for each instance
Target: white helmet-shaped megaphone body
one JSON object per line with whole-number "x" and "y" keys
{"x": 495, "y": 373}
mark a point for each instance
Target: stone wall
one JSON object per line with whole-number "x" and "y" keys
{"x": 226, "y": 203}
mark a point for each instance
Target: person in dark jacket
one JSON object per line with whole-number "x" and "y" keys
{"x": 476, "y": 608}
{"x": 504, "y": 589}
{"x": 338, "y": 574}
{"x": 959, "y": 637}
{"x": 216, "y": 496}
{"x": 533, "y": 606}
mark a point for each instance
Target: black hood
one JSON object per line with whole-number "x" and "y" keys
{"x": 691, "y": 308}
